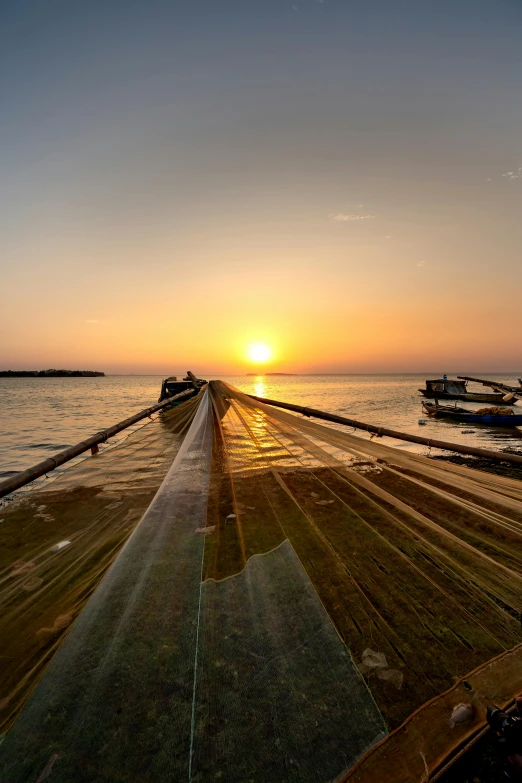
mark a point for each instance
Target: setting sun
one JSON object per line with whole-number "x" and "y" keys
{"x": 259, "y": 353}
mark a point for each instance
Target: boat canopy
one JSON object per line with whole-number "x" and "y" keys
{"x": 447, "y": 385}
{"x": 238, "y": 593}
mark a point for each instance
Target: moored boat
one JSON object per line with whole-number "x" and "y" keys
{"x": 494, "y": 416}
{"x": 172, "y": 385}
{"x": 451, "y": 389}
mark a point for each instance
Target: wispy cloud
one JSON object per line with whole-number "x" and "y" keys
{"x": 421, "y": 263}
{"x": 343, "y": 217}
{"x": 516, "y": 174}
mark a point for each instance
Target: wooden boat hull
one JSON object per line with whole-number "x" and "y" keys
{"x": 468, "y": 417}
{"x": 468, "y": 397}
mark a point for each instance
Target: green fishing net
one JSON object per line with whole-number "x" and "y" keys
{"x": 292, "y": 603}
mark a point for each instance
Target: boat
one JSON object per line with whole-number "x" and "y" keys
{"x": 493, "y": 417}
{"x": 451, "y": 389}
{"x": 172, "y": 386}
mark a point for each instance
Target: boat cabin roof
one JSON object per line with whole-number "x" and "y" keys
{"x": 447, "y": 385}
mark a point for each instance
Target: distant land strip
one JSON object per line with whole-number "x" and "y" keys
{"x": 50, "y": 374}
{"x": 269, "y": 373}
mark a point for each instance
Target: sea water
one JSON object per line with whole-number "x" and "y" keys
{"x": 40, "y": 416}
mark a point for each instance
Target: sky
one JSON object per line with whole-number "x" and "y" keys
{"x": 338, "y": 180}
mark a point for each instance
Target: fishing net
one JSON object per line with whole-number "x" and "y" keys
{"x": 57, "y": 541}
{"x": 296, "y": 603}
{"x": 494, "y": 411}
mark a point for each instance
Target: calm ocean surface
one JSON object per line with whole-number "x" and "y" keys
{"x": 39, "y": 416}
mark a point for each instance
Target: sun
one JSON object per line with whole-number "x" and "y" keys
{"x": 259, "y": 353}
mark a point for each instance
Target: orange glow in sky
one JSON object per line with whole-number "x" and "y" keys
{"x": 331, "y": 197}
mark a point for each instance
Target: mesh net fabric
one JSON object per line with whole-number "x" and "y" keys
{"x": 57, "y": 541}
{"x": 167, "y": 676}
{"x": 418, "y": 565}
{"x": 292, "y": 594}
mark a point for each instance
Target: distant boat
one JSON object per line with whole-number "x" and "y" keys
{"x": 172, "y": 385}
{"x": 450, "y": 389}
{"x": 492, "y": 417}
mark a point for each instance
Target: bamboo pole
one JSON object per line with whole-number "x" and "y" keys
{"x": 26, "y": 476}
{"x": 492, "y": 384}
{"x": 499, "y": 456}
{"x": 194, "y": 381}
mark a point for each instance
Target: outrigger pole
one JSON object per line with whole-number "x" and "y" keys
{"x": 499, "y": 456}
{"x": 493, "y": 384}
{"x": 26, "y": 476}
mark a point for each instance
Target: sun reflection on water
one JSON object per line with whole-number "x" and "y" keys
{"x": 259, "y": 386}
